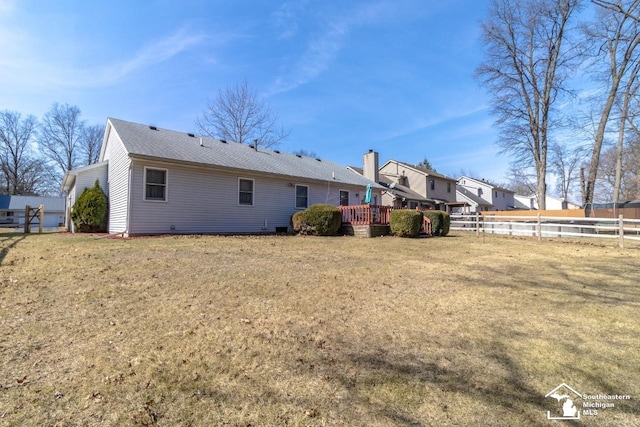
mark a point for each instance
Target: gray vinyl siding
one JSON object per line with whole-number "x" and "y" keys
{"x": 205, "y": 200}
{"x": 118, "y": 178}
{"x": 87, "y": 179}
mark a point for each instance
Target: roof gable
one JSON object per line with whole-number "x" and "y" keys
{"x": 487, "y": 183}
{"x": 155, "y": 143}
{"x": 472, "y": 197}
{"x": 425, "y": 172}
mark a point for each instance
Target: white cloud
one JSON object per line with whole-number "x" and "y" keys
{"x": 286, "y": 18}
{"x": 424, "y": 124}
{"x": 30, "y": 67}
{"x": 155, "y": 53}
{"x": 323, "y": 48}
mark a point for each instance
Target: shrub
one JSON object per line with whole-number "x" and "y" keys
{"x": 89, "y": 213}
{"x": 446, "y": 223}
{"x": 405, "y": 223}
{"x": 320, "y": 219}
{"x": 436, "y": 221}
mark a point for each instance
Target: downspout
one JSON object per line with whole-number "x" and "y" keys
{"x": 126, "y": 228}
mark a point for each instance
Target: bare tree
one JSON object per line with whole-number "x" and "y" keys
{"x": 22, "y": 171}
{"x": 618, "y": 7}
{"x": 238, "y": 114}
{"x": 521, "y": 180}
{"x": 628, "y": 94}
{"x": 526, "y": 65}
{"x": 618, "y": 35}
{"x": 91, "y": 143}
{"x": 607, "y": 175}
{"x": 60, "y": 137}
{"x": 565, "y": 165}
{"x": 634, "y": 149}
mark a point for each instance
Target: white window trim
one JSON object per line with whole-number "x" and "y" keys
{"x": 166, "y": 185}
{"x": 339, "y": 198}
{"x": 253, "y": 191}
{"x": 295, "y": 196}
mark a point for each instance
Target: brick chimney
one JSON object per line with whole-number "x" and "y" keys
{"x": 371, "y": 166}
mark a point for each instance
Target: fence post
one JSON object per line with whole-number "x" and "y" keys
{"x": 621, "y": 230}
{"x": 41, "y": 218}
{"x": 27, "y": 214}
{"x": 477, "y": 224}
{"x": 539, "y": 228}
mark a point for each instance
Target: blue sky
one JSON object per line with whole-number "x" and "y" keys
{"x": 346, "y": 76}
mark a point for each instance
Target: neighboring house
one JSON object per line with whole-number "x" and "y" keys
{"x": 12, "y": 210}
{"x": 408, "y": 186}
{"x": 552, "y": 203}
{"x": 473, "y": 203}
{"x": 494, "y": 197}
{"x": 394, "y": 192}
{"x": 161, "y": 181}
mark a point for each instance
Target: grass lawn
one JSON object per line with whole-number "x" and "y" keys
{"x": 313, "y": 331}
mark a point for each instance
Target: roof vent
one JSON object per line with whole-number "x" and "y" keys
{"x": 191, "y": 135}
{"x": 298, "y": 155}
{"x": 318, "y": 160}
{"x": 276, "y": 151}
{"x": 153, "y": 127}
{"x": 224, "y": 141}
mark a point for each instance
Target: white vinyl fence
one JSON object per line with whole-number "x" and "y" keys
{"x": 545, "y": 226}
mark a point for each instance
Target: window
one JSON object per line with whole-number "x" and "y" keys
{"x": 432, "y": 184}
{"x": 479, "y": 192}
{"x": 448, "y": 187}
{"x": 344, "y": 198}
{"x": 245, "y": 192}
{"x": 155, "y": 184}
{"x": 302, "y": 196}
{"x": 496, "y": 194}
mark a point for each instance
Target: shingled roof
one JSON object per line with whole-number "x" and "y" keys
{"x": 155, "y": 143}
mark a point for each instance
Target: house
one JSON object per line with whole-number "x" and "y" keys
{"x": 12, "y": 210}
{"x": 493, "y": 197}
{"x": 472, "y": 203}
{"x": 75, "y": 181}
{"x": 408, "y": 186}
{"x": 552, "y": 203}
{"x": 161, "y": 181}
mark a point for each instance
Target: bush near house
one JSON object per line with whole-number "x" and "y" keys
{"x": 440, "y": 222}
{"x": 405, "y": 223}
{"x": 446, "y": 223}
{"x": 89, "y": 213}
{"x": 320, "y": 220}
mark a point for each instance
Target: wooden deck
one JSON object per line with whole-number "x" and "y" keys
{"x": 373, "y": 220}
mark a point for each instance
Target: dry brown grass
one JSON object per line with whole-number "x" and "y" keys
{"x": 312, "y": 331}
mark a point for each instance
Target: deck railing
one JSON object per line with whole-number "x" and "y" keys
{"x": 365, "y": 214}
{"x": 374, "y": 215}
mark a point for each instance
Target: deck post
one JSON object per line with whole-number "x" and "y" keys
{"x": 41, "y": 218}
{"x": 27, "y": 223}
{"x": 621, "y": 231}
